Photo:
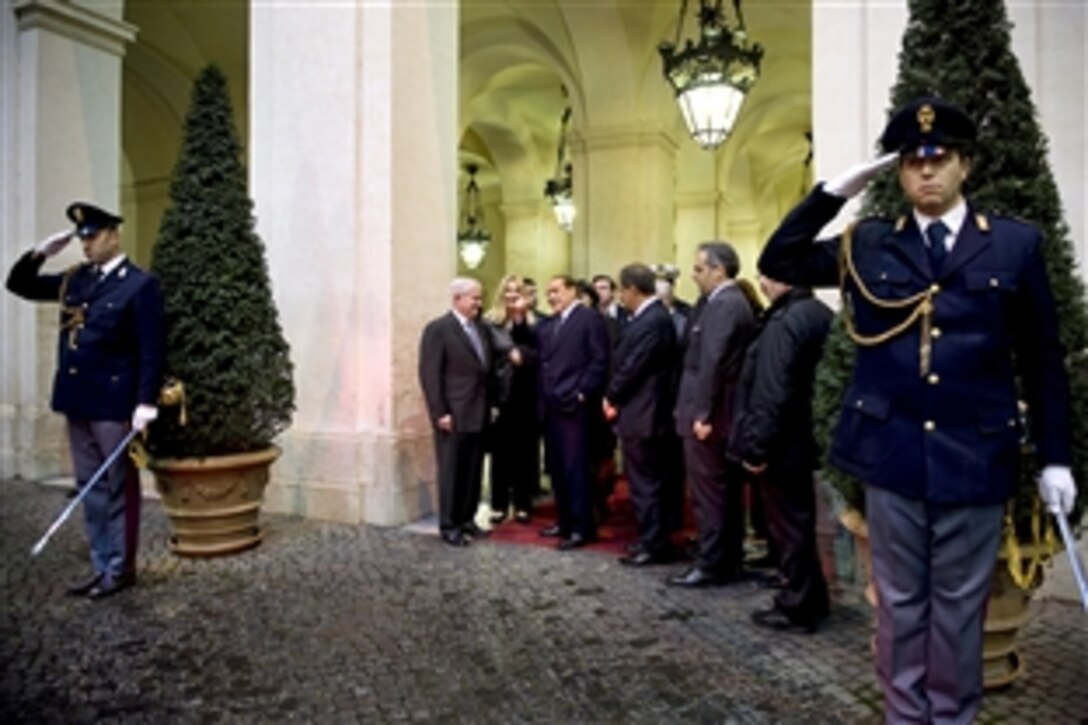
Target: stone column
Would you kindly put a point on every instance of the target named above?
(1050, 42)
(624, 184)
(353, 141)
(855, 60)
(60, 140)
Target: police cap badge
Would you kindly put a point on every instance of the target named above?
(90, 219)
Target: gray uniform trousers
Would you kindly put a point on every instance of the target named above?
(111, 510)
(932, 566)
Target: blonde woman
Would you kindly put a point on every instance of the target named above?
(515, 440)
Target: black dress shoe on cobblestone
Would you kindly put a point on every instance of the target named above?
(633, 548)
(645, 558)
(553, 531)
(475, 531)
(82, 588)
(774, 618)
(454, 538)
(696, 578)
(574, 541)
(110, 585)
(522, 517)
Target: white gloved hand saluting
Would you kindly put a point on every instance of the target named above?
(849, 183)
(143, 415)
(1057, 489)
(54, 243)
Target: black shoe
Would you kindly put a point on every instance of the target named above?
(574, 541)
(474, 531)
(82, 588)
(454, 538)
(110, 585)
(645, 558)
(522, 517)
(633, 548)
(778, 620)
(497, 517)
(696, 578)
(553, 531)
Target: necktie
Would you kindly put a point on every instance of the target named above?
(474, 338)
(935, 236)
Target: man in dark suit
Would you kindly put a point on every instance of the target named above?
(639, 402)
(717, 335)
(772, 436)
(574, 358)
(949, 308)
(457, 373)
(109, 370)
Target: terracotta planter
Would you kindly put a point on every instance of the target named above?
(214, 503)
(1006, 610)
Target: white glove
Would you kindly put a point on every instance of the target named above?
(1057, 489)
(143, 415)
(53, 244)
(854, 179)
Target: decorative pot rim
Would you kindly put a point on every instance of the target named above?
(212, 463)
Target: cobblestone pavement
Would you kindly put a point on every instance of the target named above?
(337, 623)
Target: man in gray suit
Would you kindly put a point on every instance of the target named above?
(718, 333)
(456, 372)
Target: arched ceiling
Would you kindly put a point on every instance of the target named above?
(515, 55)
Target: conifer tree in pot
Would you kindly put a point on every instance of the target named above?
(962, 52)
(224, 341)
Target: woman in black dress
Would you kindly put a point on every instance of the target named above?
(515, 435)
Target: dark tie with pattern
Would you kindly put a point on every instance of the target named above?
(935, 236)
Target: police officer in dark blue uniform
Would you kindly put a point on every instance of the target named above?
(109, 369)
(947, 305)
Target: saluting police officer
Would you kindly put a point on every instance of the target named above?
(109, 369)
(946, 305)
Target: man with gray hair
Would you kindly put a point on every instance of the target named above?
(457, 373)
(718, 333)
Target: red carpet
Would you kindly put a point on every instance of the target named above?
(613, 534)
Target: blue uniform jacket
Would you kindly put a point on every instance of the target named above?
(110, 347)
(950, 433)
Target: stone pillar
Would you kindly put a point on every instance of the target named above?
(855, 60)
(1050, 40)
(535, 245)
(624, 185)
(60, 140)
(353, 141)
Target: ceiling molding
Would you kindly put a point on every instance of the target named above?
(77, 23)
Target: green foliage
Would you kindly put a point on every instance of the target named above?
(223, 337)
(961, 51)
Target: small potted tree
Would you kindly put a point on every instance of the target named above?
(941, 55)
(224, 341)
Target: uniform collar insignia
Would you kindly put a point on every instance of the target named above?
(900, 224)
(982, 222)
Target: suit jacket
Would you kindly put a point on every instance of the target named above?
(574, 359)
(717, 336)
(773, 421)
(953, 434)
(111, 344)
(641, 384)
(454, 380)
